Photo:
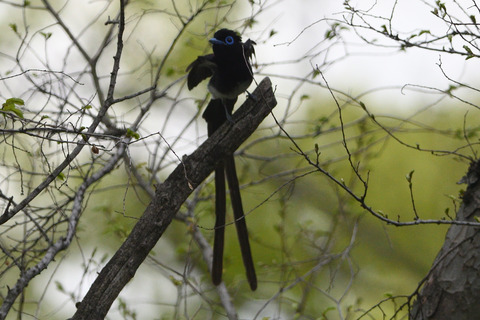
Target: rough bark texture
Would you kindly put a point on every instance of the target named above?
(452, 287)
(168, 198)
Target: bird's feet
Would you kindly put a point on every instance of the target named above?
(229, 117)
(252, 96)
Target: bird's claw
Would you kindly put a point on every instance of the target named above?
(229, 118)
(252, 96)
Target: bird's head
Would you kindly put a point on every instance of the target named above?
(226, 42)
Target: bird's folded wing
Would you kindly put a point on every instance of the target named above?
(200, 69)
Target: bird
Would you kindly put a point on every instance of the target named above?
(230, 73)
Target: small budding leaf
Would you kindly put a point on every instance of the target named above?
(13, 26)
(46, 35)
(132, 134)
(409, 176)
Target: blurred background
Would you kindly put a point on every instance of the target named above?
(381, 97)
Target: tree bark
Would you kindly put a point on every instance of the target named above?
(169, 196)
(451, 289)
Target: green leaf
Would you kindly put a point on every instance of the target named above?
(59, 286)
(46, 35)
(132, 134)
(10, 106)
(332, 32)
(450, 89)
(442, 6)
(18, 101)
(199, 103)
(176, 282)
(469, 52)
(384, 29)
(61, 176)
(13, 26)
(467, 48)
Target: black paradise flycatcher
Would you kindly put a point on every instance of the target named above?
(230, 75)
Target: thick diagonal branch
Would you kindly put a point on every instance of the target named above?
(169, 196)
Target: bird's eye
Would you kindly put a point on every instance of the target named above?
(229, 40)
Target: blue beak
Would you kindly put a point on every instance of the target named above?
(216, 41)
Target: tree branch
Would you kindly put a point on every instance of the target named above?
(169, 196)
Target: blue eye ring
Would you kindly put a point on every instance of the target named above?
(229, 40)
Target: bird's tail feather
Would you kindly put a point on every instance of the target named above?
(220, 208)
(240, 222)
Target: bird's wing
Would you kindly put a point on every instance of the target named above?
(200, 69)
(249, 49)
